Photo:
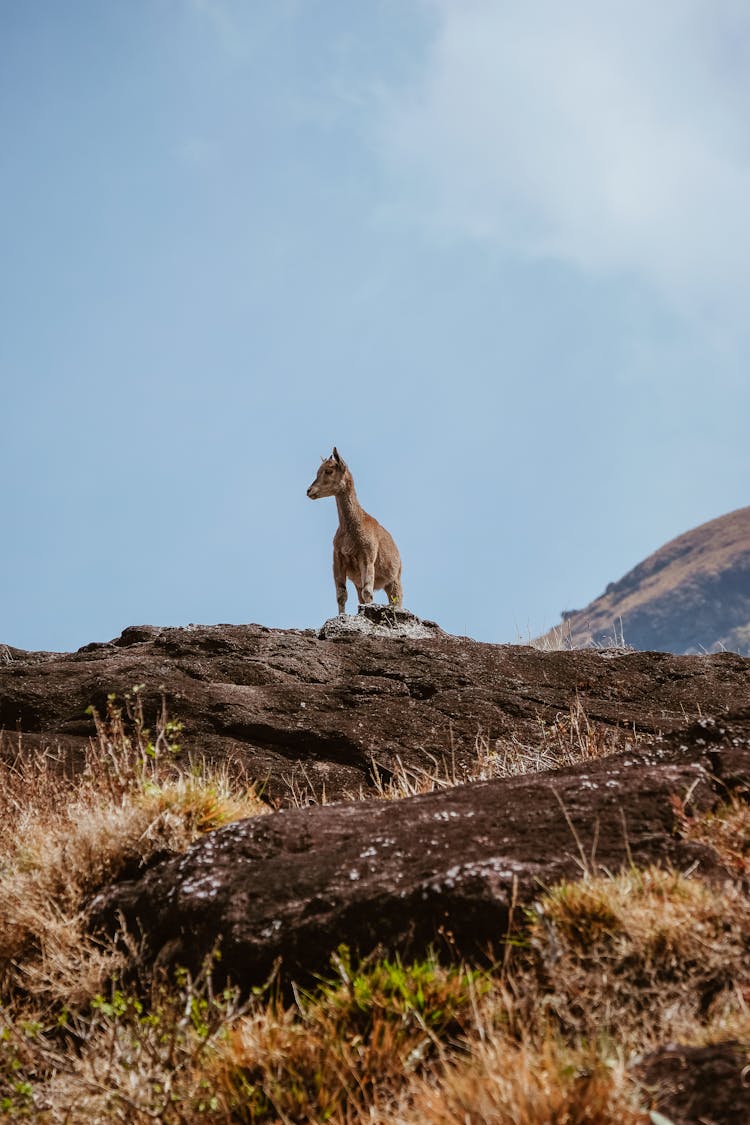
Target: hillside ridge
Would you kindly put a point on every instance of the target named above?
(692, 595)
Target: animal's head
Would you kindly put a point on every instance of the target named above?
(330, 480)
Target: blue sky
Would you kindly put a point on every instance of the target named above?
(497, 253)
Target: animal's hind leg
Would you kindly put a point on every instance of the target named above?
(395, 593)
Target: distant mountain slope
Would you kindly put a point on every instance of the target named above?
(690, 596)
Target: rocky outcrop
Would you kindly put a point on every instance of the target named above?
(696, 1085)
(690, 596)
(331, 714)
(334, 713)
(452, 868)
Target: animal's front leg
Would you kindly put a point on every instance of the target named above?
(368, 581)
(339, 578)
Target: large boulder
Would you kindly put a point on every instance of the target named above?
(698, 1085)
(452, 867)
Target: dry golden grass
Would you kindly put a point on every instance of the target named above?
(72, 835)
(612, 967)
(570, 739)
(607, 968)
(648, 954)
(615, 966)
(350, 1046)
(503, 1083)
(727, 831)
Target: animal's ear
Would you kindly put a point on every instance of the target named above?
(336, 457)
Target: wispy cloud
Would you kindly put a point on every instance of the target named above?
(613, 137)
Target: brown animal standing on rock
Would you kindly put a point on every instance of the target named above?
(363, 550)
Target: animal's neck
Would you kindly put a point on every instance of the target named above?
(350, 512)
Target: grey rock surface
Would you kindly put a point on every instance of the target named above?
(331, 716)
(452, 869)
